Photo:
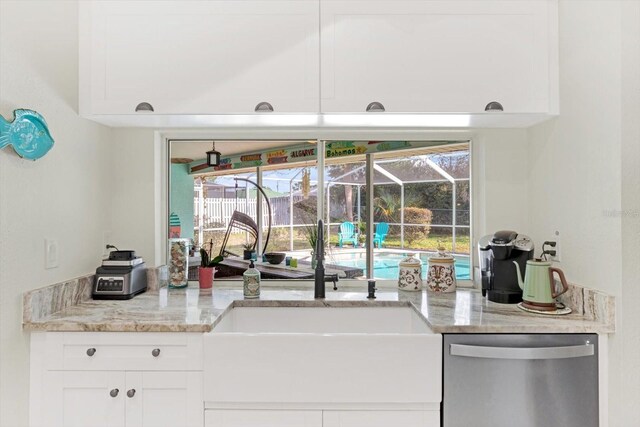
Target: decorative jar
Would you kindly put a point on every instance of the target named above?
(441, 274)
(178, 261)
(410, 274)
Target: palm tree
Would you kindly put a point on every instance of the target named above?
(386, 205)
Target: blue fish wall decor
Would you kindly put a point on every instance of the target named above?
(28, 134)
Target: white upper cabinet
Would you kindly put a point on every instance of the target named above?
(211, 63)
(199, 57)
(439, 56)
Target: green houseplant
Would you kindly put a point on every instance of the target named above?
(207, 269)
(311, 234)
(248, 250)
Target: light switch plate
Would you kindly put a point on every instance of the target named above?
(50, 253)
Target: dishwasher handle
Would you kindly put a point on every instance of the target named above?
(522, 353)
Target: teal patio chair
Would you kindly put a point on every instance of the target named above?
(347, 234)
(381, 233)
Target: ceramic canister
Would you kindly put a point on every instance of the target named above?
(441, 275)
(410, 274)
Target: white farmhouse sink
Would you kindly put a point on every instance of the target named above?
(374, 354)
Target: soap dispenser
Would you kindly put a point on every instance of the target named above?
(251, 282)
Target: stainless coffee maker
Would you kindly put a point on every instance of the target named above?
(497, 253)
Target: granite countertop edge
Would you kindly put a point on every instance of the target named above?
(437, 311)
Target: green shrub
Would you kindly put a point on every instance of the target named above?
(419, 216)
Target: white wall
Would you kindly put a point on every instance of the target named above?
(137, 193)
(625, 388)
(583, 171)
(574, 161)
(65, 195)
(500, 182)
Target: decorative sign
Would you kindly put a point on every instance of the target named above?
(251, 158)
(303, 153)
(391, 145)
(225, 164)
(344, 148)
(277, 157)
(28, 134)
(174, 225)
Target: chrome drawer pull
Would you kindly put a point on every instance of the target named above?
(375, 107)
(155, 352)
(114, 392)
(264, 107)
(131, 393)
(522, 353)
(91, 352)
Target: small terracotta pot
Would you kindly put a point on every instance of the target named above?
(205, 277)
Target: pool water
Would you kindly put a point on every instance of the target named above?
(385, 264)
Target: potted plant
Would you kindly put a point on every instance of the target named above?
(248, 250)
(362, 233)
(207, 269)
(311, 234)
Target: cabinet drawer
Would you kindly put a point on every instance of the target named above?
(262, 418)
(381, 418)
(124, 351)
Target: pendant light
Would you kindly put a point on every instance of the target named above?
(213, 156)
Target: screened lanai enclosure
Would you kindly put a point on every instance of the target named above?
(420, 201)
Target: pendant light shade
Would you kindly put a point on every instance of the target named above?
(213, 156)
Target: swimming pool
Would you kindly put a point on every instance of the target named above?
(385, 264)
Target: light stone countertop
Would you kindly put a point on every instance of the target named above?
(187, 310)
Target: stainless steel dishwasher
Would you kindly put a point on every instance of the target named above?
(520, 380)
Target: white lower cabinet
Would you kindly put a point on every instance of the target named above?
(164, 399)
(81, 399)
(123, 399)
(116, 380)
(283, 418)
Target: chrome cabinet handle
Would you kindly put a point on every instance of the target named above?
(522, 353)
(155, 352)
(144, 106)
(264, 107)
(494, 106)
(91, 351)
(375, 107)
(114, 392)
(131, 393)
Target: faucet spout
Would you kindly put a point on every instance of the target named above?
(319, 273)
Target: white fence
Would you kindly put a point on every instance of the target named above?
(215, 213)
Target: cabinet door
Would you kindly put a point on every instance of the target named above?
(262, 418)
(199, 57)
(81, 399)
(381, 418)
(437, 56)
(164, 399)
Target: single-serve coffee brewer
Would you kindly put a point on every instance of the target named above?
(498, 252)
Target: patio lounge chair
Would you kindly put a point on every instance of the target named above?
(347, 234)
(381, 233)
(240, 221)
